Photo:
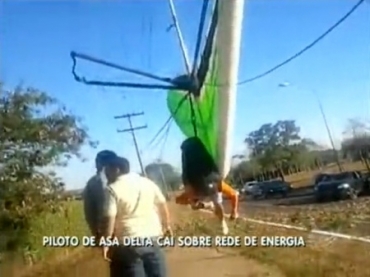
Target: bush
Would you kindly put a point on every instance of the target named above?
(35, 132)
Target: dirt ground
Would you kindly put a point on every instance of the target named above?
(319, 259)
(182, 262)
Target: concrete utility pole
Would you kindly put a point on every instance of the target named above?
(132, 131)
(323, 115)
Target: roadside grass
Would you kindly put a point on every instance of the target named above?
(303, 179)
(320, 258)
(68, 221)
(350, 217)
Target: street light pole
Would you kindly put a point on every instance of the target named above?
(314, 92)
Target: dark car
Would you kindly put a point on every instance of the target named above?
(340, 186)
(270, 189)
(248, 187)
(321, 177)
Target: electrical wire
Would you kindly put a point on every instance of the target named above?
(163, 134)
(164, 139)
(198, 43)
(296, 55)
(173, 85)
(308, 47)
(159, 132)
(167, 122)
(302, 51)
(160, 158)
(183, 48)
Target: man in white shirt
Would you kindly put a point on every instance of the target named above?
(134, 207)
(93, 194)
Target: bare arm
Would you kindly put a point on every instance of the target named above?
(165, 215)
(161, 203)
(109, 213)
(89, 210)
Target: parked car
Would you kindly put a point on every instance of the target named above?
(322, 177)
(248, 187)
(270, 189)
(339, 186)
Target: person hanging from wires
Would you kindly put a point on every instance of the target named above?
(202, 180)
(188, 198)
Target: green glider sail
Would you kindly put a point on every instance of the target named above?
(206, 111)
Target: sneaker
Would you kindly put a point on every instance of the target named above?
(209, 206)
(234, 216)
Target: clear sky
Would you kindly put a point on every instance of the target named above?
(36, 38)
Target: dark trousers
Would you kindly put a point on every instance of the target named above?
(138, 262)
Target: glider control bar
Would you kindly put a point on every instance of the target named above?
(174, 83)
(190, 83)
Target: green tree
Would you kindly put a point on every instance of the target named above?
(356, 145)
(279, 147)
(164, 175)
(36, 131)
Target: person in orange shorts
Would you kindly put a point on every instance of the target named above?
(202, 180)
(188, 197)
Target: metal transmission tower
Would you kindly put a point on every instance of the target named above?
(132, 131)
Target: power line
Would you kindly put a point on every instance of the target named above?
(167, 123)
(163, 139)
(309, 46)
(293, 57)
(185, 86)
(159, 132)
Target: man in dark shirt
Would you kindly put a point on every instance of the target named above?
(93, 194)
